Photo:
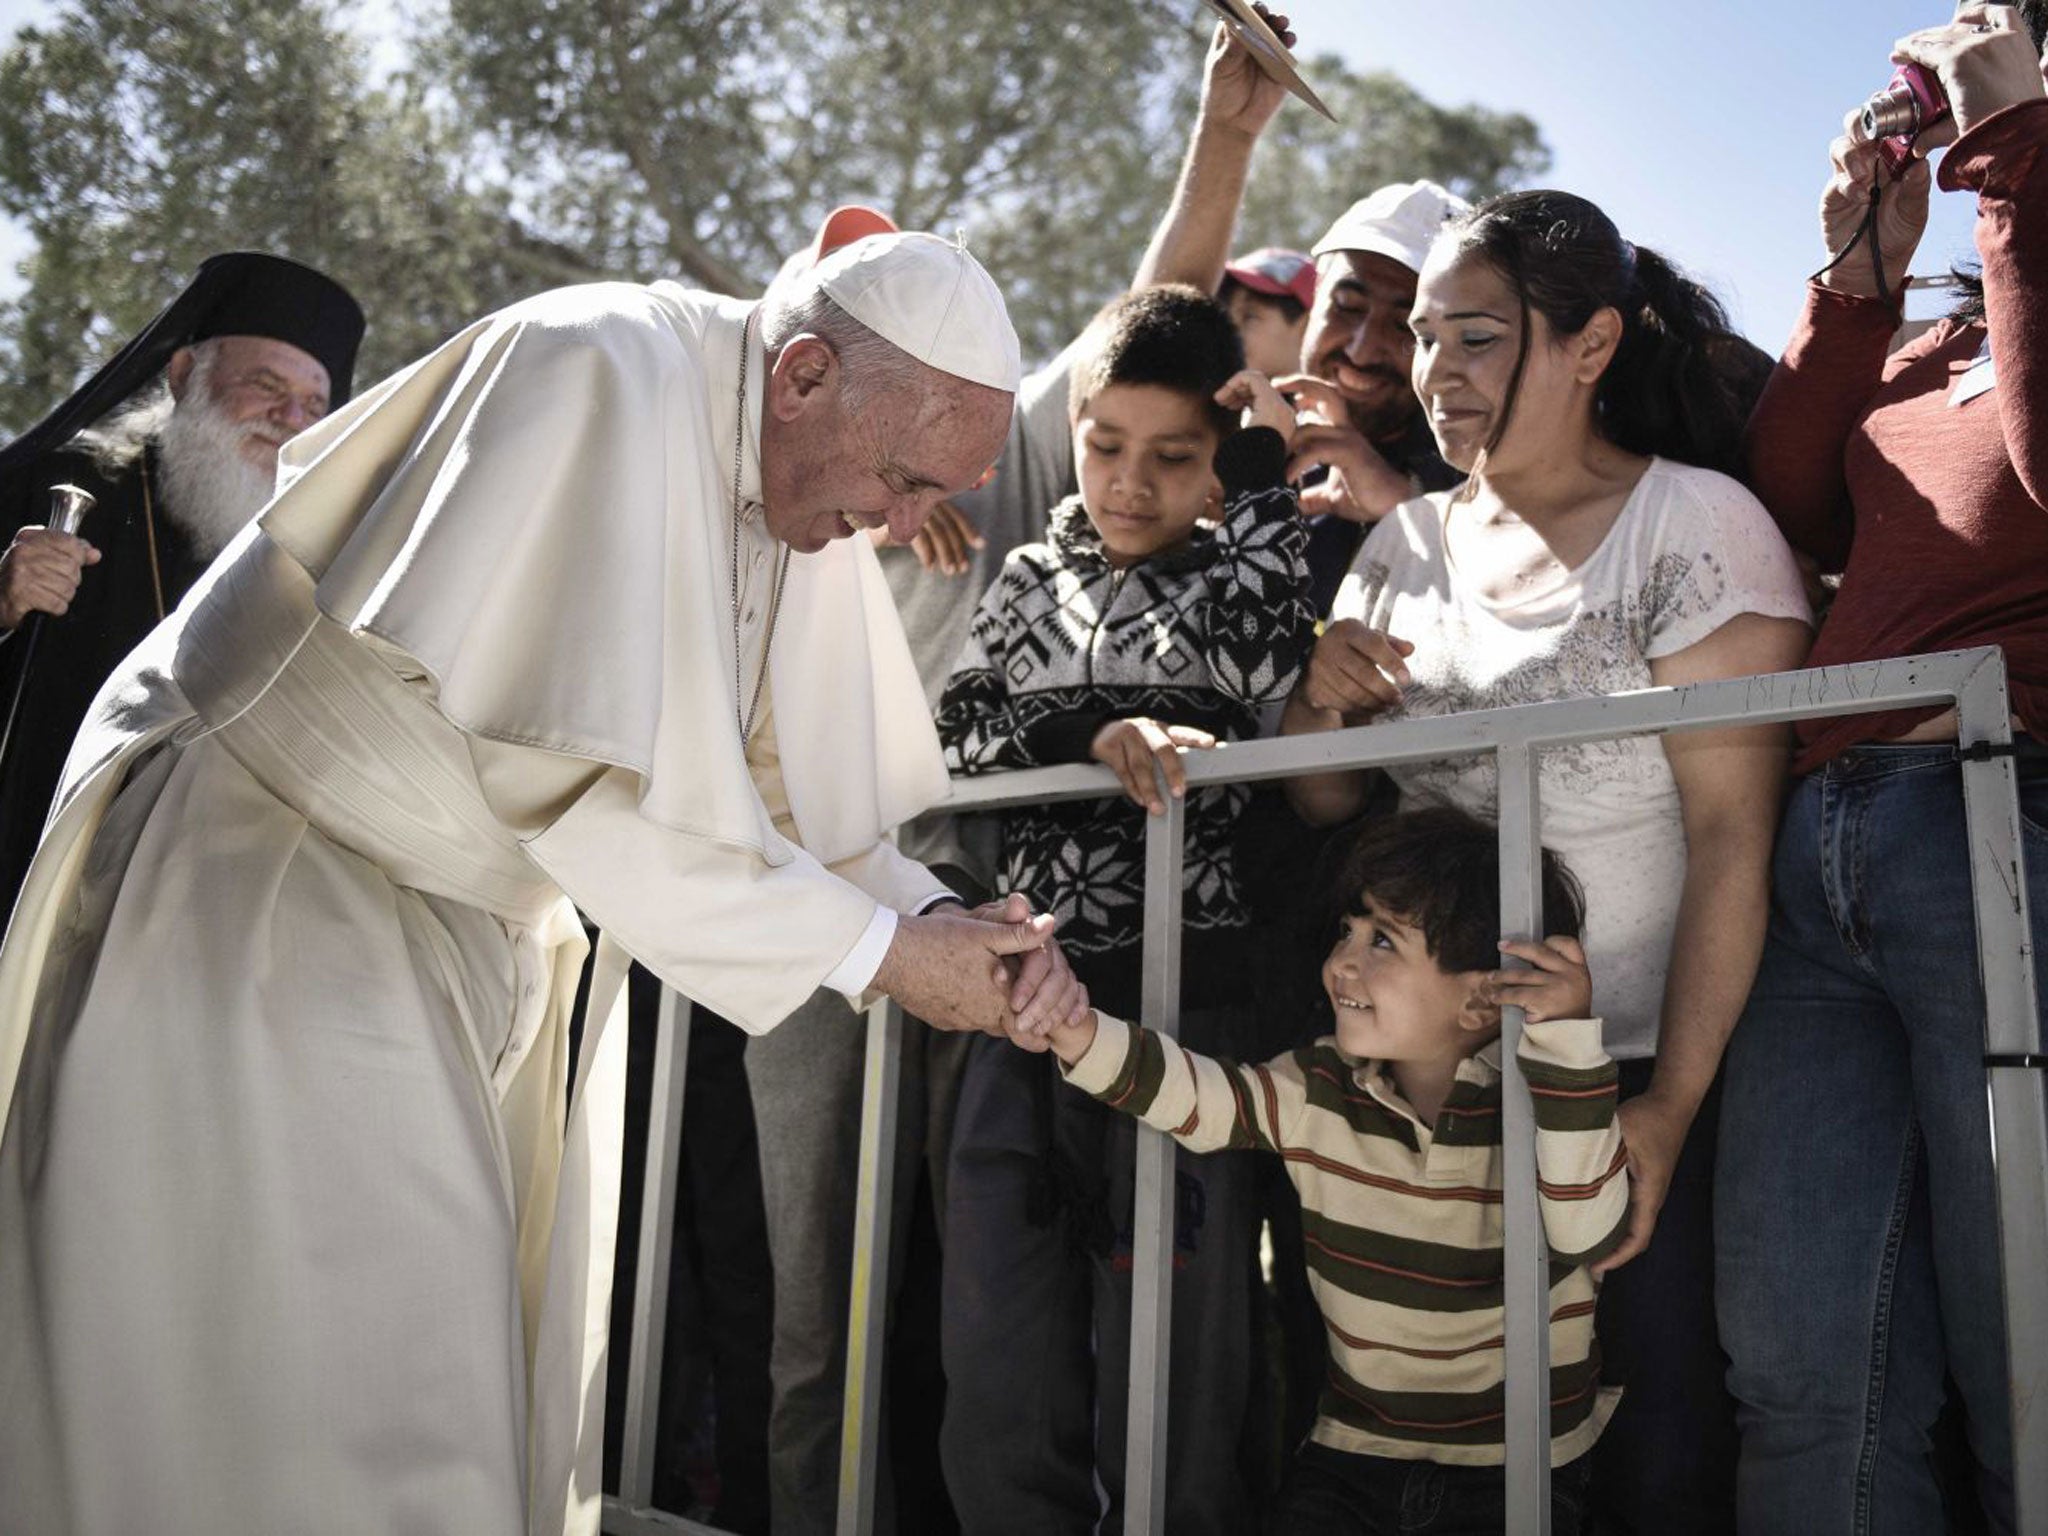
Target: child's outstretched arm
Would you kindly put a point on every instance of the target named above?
(1581, 1165)
(1205, 1104)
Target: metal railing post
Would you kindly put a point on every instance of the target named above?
(2015, 1076)
(1525, 1259)
(867, 1322)
(1153, 1206)
(657, 1234)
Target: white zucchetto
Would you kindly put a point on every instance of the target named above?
(930, 298)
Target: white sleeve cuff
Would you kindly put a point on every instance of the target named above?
(856, 973)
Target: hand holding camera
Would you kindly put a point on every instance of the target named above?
(1949, 79)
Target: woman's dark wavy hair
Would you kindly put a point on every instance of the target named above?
(1565, 260)
(1968, 281)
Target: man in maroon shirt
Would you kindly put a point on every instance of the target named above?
(1856, 1231)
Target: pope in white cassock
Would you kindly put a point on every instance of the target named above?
(294, 1234)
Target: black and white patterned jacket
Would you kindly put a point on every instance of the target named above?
(1204, 635)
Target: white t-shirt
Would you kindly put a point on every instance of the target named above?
(1690, 550)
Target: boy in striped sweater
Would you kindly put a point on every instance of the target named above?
(1391, 1130)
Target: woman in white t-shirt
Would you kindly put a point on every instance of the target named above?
(1596, 548)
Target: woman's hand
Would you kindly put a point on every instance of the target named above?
(1355, 670)
(1985, 61)
(1134, 747)
(1653, 1132)
(1253, 394)
(1845, 204)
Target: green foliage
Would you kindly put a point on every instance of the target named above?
(137, 140)
(527, 143)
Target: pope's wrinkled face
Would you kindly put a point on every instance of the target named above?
(269, 389)
(831, 467)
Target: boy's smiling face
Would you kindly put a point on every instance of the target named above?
(1143, 454)
(1391, 999)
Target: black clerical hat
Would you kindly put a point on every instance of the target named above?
(242, 293)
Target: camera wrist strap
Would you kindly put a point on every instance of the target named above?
(1866, 234)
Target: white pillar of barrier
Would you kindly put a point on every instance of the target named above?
(868, 1309)
(2015, 1073)
(1525, 1270)
(1153, 1204)
(657, 1230)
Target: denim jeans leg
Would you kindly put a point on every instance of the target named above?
(1817, 1281)
(1923, 946)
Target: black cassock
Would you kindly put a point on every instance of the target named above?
(146, 565)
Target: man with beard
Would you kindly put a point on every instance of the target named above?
(1364, 444)
(258, 348)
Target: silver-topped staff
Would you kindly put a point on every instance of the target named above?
(68, 506)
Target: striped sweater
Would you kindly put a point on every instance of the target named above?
(1402, 1221)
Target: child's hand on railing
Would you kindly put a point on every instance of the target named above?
(1135, 747)
(1557, 984)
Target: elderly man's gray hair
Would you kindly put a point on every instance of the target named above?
(872, 365)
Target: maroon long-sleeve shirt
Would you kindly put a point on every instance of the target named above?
(1935, 513)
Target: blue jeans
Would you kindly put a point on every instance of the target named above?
(1855, 1214)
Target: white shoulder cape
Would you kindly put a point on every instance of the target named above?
(538, 513)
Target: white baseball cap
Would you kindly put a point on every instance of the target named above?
(1398, 221)
(932, 299)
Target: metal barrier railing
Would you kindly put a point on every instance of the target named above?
(1973, 681)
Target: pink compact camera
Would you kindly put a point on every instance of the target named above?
(1897, 115)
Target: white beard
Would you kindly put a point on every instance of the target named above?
(210, 490)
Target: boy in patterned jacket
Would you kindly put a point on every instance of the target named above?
(1168, 605)
(1391, 1129)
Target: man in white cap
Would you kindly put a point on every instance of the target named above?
(294, 1231)
(1365, 431)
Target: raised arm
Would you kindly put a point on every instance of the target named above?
(1192, 241)
(1258, 622)
(2006, 162)
(1836, 357)
(1581, 1167)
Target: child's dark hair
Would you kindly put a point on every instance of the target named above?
(1565, 260)
(1438, 868)
(1173, 336)
(1291, 309)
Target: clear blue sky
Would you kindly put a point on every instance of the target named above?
(1701, 128)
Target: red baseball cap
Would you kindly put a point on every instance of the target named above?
(1273, 270)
